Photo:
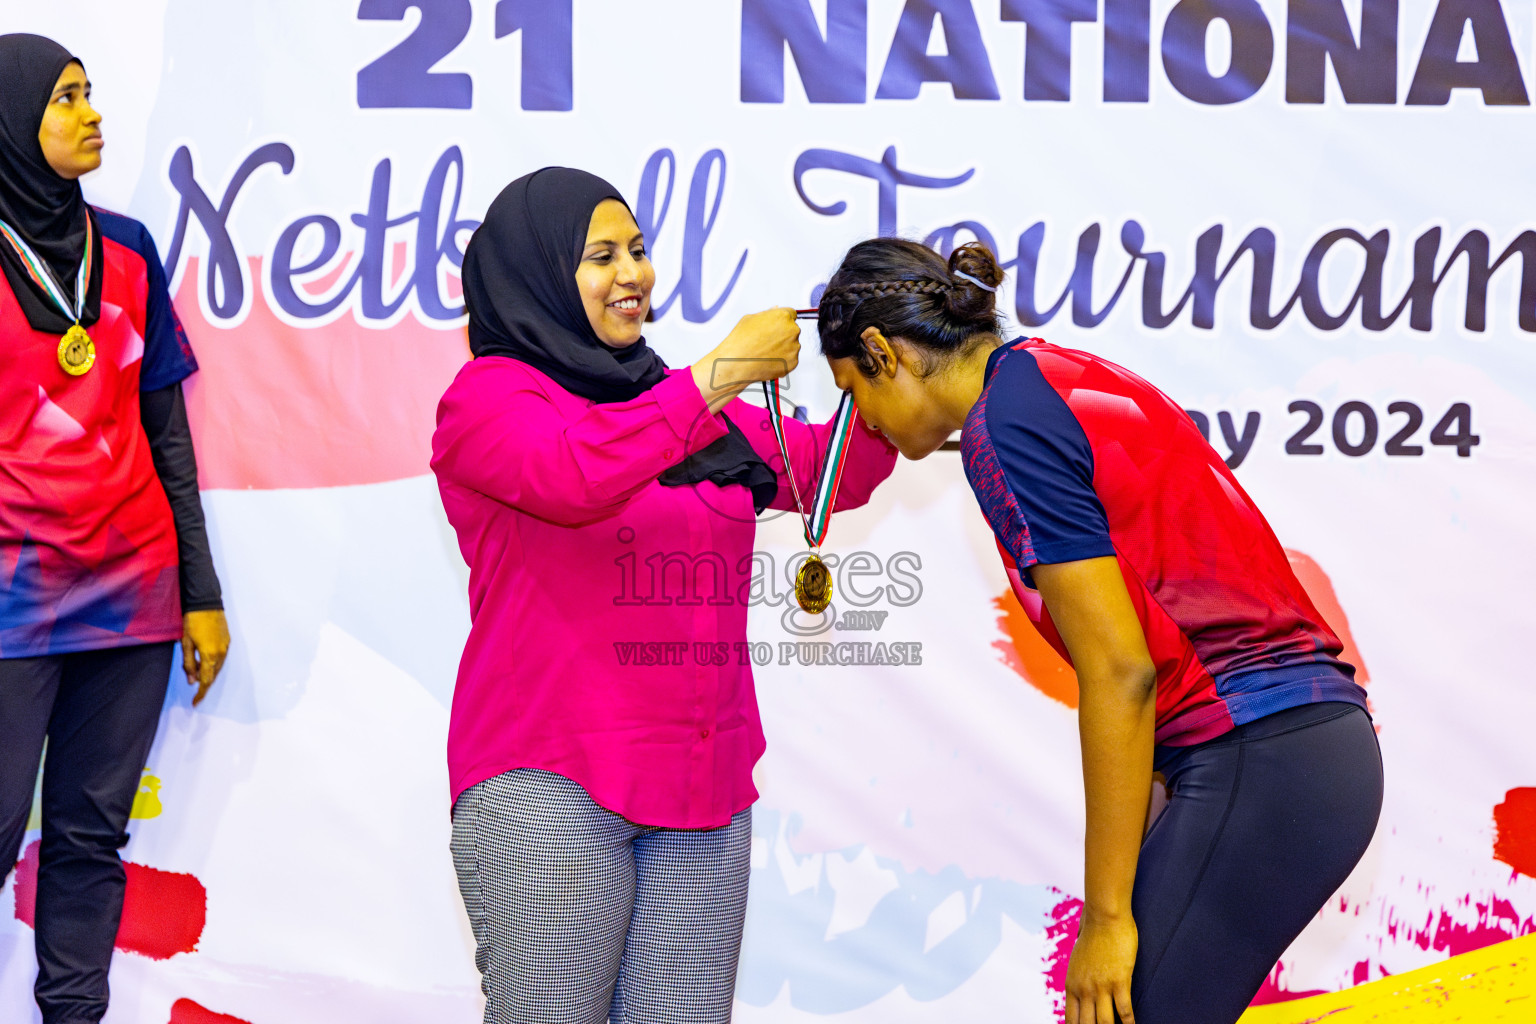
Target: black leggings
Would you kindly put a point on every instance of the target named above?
(1263, 826)
(98, 711)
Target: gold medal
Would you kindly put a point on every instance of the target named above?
(813, 586)
(77, 352)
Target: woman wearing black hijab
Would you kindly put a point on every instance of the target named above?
(604, 724)
(104, 560)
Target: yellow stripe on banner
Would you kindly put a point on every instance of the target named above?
(1493, 984)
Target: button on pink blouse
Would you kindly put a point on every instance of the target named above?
(577, 553)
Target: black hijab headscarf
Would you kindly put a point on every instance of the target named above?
(47, 211)
(520, 291)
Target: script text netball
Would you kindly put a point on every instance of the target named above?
(1379, 293)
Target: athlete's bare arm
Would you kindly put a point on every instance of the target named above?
(1093, 613)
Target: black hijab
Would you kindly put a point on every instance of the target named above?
(520, 291)
(49, 212)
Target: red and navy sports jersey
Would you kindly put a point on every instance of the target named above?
(88, 555)
(1073, 457)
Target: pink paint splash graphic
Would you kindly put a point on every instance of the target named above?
(1464, 926)
(185, 1011)
(1274, 991)
(163, 912)
(1061, 933)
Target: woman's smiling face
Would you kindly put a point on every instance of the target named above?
(615, 277)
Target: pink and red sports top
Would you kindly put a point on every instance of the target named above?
(88, 555)
(1072, 457)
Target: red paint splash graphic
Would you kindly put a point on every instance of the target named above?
(1061, 933)
(1514, 822)
(163, 912)
(185, 1011)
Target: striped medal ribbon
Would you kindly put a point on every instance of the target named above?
(77, 353)
(813, 583)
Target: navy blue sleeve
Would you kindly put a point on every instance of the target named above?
(1046, 462)
(168, 356)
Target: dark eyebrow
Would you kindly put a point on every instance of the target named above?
(639, 237)
(71, 87)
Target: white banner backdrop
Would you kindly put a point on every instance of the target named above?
(1304, 220)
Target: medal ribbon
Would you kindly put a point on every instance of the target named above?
(831, 468)
(43, 277)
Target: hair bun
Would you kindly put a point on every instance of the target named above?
(907, 291)
(965, 300)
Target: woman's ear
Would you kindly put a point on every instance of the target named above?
(879, 352)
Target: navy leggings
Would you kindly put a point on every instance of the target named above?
(1263, 825)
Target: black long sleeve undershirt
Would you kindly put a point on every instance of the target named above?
(164, 415)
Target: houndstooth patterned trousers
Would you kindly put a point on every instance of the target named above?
(580, 915)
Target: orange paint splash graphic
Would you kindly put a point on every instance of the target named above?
(1024, 650)
(1320, 589)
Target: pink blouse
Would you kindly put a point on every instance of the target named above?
(600, 600)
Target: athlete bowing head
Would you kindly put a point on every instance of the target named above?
(1142, 561)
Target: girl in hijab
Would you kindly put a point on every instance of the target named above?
(104, 560)
(604, 724)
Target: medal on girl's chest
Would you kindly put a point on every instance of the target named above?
(77, 353)
(813, 583)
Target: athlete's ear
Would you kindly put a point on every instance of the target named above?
(879, 352)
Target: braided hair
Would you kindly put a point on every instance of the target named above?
(908, 291)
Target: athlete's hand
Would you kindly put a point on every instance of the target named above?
(204, 643)
(1099, 973)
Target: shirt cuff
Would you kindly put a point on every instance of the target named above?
(1072, 549)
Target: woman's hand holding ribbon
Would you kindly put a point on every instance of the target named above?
(762, 346)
